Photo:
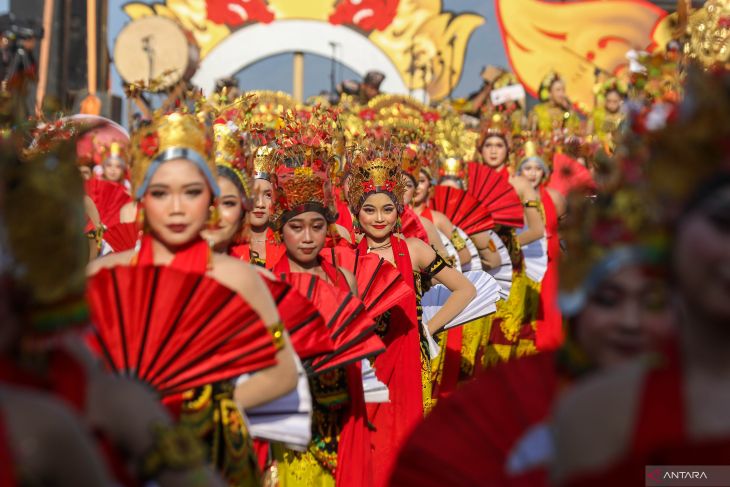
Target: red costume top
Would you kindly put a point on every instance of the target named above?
(274, 251)
(549, 326)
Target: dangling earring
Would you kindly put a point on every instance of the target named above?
(140, 228)
(356, 225)
(397, 227)
(215, 216)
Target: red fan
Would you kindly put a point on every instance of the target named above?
(309, 335)
(462, 209)
(411, 226)
(379, 284)
(122, 236)
(350, 326)
(481, 440)
(174, 330)
(496, 193)
(570, 175)
(108, 198)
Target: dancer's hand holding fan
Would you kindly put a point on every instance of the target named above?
(148, 326)
(306, 326)
(351, 328)
(379, 284)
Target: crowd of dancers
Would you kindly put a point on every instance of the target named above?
(250, 291)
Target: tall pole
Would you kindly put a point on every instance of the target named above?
(91, 104)
(298, 78)
(48, 6)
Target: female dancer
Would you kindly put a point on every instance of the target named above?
(261, 247)
(134, 432)
(114, 167)
(174, 186)
(672, 409)
(554, 114)
(549, 324)
(304, 216)
(376, 192)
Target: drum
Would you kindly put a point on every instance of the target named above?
(156, 48)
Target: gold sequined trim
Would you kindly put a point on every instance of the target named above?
(457, 240)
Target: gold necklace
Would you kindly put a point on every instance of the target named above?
(385, 246)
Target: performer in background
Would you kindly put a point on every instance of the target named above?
(549, 323)
(672, 408)
(376, 200)
(554, 113)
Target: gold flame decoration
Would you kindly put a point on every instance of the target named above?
(421, 39)
(575, 38)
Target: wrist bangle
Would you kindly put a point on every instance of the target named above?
(531, 204)
(277, 335)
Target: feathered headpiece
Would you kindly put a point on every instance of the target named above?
(177, 135)
(375, 170)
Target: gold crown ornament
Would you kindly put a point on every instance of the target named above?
(411, 162)
(305, 160)
(43, 248)
(375, 169)
(452, 167)
(495, 125)
(708, 34)
(177, 135)
(229, 154)
(531, 149)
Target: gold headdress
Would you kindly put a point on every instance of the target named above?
(177, 135)
(375, 170)
(305, 161)
(546, 83)
(691, 146)
(452, 167)
(496, 125)
(708, 33)
(228, 150)
(529, 148)
(42, 243)
(411, 162)
(270, 107)
(668, 153)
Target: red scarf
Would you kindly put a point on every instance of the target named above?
(549, 325)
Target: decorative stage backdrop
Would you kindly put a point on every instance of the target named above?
(432, 46)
